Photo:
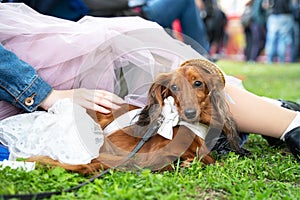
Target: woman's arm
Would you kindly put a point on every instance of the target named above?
(19, 83)
(21, 86)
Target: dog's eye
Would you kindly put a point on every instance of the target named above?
(174, 88)
(197, 84)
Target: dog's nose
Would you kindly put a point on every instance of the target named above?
(190, 113)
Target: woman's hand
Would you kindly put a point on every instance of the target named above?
(98, 100)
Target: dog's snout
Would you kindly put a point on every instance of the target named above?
(190, 113)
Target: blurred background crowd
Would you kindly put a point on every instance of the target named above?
(249, 30)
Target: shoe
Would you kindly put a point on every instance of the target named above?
(292, 140)
(290, 105)
(275, 142)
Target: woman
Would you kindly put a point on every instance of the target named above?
(258, 30)
(96, 52)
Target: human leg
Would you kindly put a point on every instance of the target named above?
(248, 38)
(253, 114)
(271, 38)
(258, 40)
(164, 12)
(193, 25)
(296, 41)
(285, 36)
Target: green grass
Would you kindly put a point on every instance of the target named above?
(275, 81)
(266, 174)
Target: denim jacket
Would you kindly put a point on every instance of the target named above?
(19, 83)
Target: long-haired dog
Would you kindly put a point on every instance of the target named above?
(197, 89)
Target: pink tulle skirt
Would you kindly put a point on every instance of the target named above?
(91, 53)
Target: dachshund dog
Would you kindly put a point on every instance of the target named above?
(197, 89)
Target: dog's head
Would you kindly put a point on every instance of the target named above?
(197, 87)
(192, 85)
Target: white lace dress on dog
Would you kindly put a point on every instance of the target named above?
(65, 133)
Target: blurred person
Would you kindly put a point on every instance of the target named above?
(280, 23)
(296, 32)
(246, 21)
(257, 29)
(215, 22)
(165, 12)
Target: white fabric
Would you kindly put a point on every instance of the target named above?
(295, 123)
(198, 128)
(171, 118)
(65, 133)
(122, 121)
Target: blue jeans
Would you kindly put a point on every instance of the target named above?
(164, 12)
(19, 82)
(279, 37)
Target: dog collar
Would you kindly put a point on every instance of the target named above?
(199, 129)
(171, 119)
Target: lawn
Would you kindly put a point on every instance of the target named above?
(265, 174)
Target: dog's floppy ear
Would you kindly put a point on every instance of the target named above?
(159, 89)
(156, 95)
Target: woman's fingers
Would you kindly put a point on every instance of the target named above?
(107, 99)
(98, 100)
(90, 105)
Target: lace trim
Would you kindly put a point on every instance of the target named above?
(65, 133)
